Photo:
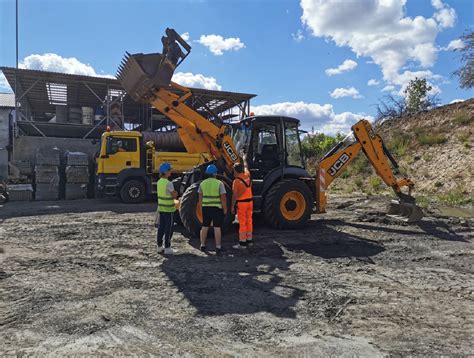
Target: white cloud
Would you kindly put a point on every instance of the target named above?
(345, 92)
(189, 79)
(298, 37)
(454, 45)
(445, 16)
(217, 44)
(4, 83)
(373, 82)
(388, 88)
(379, 29)
(185, 36)
(457, 100)
(347, 65)
(312, 115)
(55, 63)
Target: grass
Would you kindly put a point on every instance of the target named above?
(464, 136)
(398, 145)
(456, 196)
(427, 157)
(422, 201)
(375, 183)
(463, 118)
(432, 139)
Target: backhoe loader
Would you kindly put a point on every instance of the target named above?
(283, 190)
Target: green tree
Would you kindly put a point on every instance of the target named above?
(466, 72)
(417, 95)
(315, 145)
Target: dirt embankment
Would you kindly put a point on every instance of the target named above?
(84, 278)
(433, 148)
(436, 147)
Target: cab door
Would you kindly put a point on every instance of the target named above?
(121, 153)
(265, 149)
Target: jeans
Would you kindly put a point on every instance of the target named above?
(165, 229)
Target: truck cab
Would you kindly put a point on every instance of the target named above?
(128, 168)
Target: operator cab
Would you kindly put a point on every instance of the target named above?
(270, 142)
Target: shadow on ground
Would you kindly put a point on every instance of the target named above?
(250, 281)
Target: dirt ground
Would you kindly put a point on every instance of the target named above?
(83, 277)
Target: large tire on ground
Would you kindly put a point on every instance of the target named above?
(133, 192)
(288, 204)
(188, 211)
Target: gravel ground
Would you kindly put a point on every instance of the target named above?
(83, 277)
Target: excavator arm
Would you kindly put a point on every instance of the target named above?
(371, 144)
(147, 79)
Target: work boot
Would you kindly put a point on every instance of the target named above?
(169, 251)
(203, 248)
(240, 246)
(219, 250)
(161, 249)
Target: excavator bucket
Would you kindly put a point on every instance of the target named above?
(405, 211)
(141, 73)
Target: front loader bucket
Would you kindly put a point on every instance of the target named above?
(140, 73)
(408, 212)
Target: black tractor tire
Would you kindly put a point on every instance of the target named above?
(187, 211)
(133, 192)
(298, 204)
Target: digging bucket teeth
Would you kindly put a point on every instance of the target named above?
(140, 73)
(405, 211)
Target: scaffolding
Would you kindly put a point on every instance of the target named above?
(40, 94)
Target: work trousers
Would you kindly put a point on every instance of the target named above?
(165, 229)
(244, 213)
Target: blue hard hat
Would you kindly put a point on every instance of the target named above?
(211, 169)
(165, 167)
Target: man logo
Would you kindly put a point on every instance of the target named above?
(229, 151)
(338, 164)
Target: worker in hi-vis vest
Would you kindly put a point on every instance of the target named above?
(213, 203)
(166, 209)
(242, 201)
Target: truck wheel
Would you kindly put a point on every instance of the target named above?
(191, 218)
(133, 192)
(288, 204)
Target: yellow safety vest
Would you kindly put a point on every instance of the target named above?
(210, 192)
(165, 200)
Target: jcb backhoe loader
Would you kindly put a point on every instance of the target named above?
(283, 190)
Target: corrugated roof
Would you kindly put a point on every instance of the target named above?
(7, 100)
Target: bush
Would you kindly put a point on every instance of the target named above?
(398, 145)
(375, 183)
(431, 139)
(463, 118)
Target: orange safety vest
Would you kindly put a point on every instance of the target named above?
(246, 194)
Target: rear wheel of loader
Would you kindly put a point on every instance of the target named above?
(190, 214)
(133, 192)
(288, 204)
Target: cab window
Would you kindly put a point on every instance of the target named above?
(293, 147)
(118, 145)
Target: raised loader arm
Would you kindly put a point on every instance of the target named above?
(147, 79)
(365, 139)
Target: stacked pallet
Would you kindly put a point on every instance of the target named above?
(20, 192)
(47, 174)
(77, 175)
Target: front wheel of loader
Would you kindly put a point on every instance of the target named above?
(190, 214)
(288, 204)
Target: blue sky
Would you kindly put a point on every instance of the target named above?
(280, 50)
